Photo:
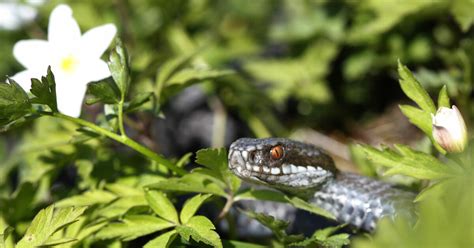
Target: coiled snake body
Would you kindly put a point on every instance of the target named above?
(308, 172)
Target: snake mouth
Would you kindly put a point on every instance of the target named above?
(286, 174)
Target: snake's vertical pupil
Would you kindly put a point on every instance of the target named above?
(276, 152)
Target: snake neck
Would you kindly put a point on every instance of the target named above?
(362, 201)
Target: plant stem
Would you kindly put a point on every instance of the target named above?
(120, 118)
(228, 204)
(121, 139)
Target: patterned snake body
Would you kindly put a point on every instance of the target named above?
(308, 172)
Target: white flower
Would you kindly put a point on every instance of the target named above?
(74, 59)
(449, 129)
(14, 14)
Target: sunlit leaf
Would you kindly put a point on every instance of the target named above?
(191, 206)
(407, 161)
(200, 229)
(14, 102)
(443, 98)
(104, 91)
(119, 68)
(414, 90)
(46, 223)
(133, 226)
(162, 205)
(162, 241)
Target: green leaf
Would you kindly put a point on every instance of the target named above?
(105, 91)
(190, 75)
(301, 204)
(137, 101)
(422, 120)
(324, 238)
(133, 226)
(443, 219)
(161, 205)
(418, 117)
(191, 206)
(4, 234)
(45, 90)
(239, 244)
(88, 198)
(14, 102)
(461, 10)
(443, 98)
(303, 77)
(121, 206)
(162, 241)
(359, 158)
(277, 226)
(216, 161)
(200, 229)
(47, 222)
(118, 65)
(414, 90)
(60, 241)
(194, 182)
(167, 70)
(409, 162)
(261, 194)
(272, 195)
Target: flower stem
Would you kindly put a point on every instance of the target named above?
(121, 139)
(120, 119)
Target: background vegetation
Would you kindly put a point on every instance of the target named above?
(203, 73)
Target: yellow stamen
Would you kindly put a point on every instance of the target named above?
(69, 63)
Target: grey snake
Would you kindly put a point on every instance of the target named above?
(308, 172)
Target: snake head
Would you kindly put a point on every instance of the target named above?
(282, 163)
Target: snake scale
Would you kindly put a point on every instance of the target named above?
(308, 172)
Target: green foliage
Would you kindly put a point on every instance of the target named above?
(325, 238)
(320, 238)
(174, 76)
(386, 15)
(44, 90)
(162, 206)
(134, 226)
(409, 162)
(420, 117)
(443, 217)
(275, 66)
(459, 8)
(14, 102)
(191, 206)
(47, 223)
(414, 90)
(278, 228)
(119, 68)
(215, 161)
(302, 77)
(104, 91)
(443, 98)
(200, 229)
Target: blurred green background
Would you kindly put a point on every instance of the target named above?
(329, 66)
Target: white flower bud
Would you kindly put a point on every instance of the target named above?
(449, 129)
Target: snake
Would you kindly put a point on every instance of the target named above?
(308, 172)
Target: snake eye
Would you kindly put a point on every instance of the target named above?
(276, 152)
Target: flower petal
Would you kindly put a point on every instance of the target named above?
(63, 30)
(70, 95)
(94, 70)
(14, 15)
(95, 41)
(33, 54)
(23, 78)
